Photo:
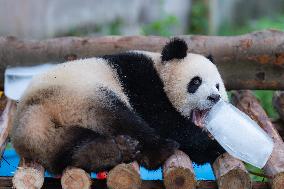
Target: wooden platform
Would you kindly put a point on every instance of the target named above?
(52, 183)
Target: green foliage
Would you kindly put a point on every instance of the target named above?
(9, 145)
(265, 97)
(198, 18)
(260, 24)
(254, 170)
(80, 31)
(113, 28)
(160, 27)
(264, 23)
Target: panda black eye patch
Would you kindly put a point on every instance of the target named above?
(217, 86)
(194, 84)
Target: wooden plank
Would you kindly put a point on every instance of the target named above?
(53, 183)
(251, 61)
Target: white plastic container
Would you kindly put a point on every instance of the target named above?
(238, 134)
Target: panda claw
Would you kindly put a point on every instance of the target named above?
(129, 147)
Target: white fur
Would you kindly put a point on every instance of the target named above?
(82, 76)
(176, 74)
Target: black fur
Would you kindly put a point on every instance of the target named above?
(75, 137)
(43, 95)
(194, 84)
(175, 49)
(218, 86)
(144, 88)
(210, 57)
(129, 138)
(93, 152)
(154, 150)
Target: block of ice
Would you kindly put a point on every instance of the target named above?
(17, 79)
(238, 134)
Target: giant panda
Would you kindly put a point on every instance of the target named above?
(98, 112)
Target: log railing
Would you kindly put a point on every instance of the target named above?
(251, 61)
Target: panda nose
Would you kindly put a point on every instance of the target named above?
(214, 98)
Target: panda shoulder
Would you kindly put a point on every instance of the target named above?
(63, 72)
(156, 57)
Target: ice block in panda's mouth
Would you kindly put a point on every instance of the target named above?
(238, 134)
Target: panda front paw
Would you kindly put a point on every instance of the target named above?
(129, 147)
(152, 157)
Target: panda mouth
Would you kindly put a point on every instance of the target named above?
(198, 117)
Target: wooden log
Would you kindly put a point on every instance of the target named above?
(54, 183)
(178, 172)
(247, 102)
(75, 178)
(124, 176)
(251, 61)
(231, 173)
(278, 103)
(279, 126)
(209, 184)
(3, 102)
(29, 175)
(152, 184)
(6, 123)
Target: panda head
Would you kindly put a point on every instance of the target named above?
(191, 81)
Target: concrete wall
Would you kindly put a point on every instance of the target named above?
(48, 18)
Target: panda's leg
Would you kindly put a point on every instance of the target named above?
(93, 152)
(38, 137)
(155, 150)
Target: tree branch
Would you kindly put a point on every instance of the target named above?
(251, 61)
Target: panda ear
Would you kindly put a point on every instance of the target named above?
(176, 48)
(210, 57)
